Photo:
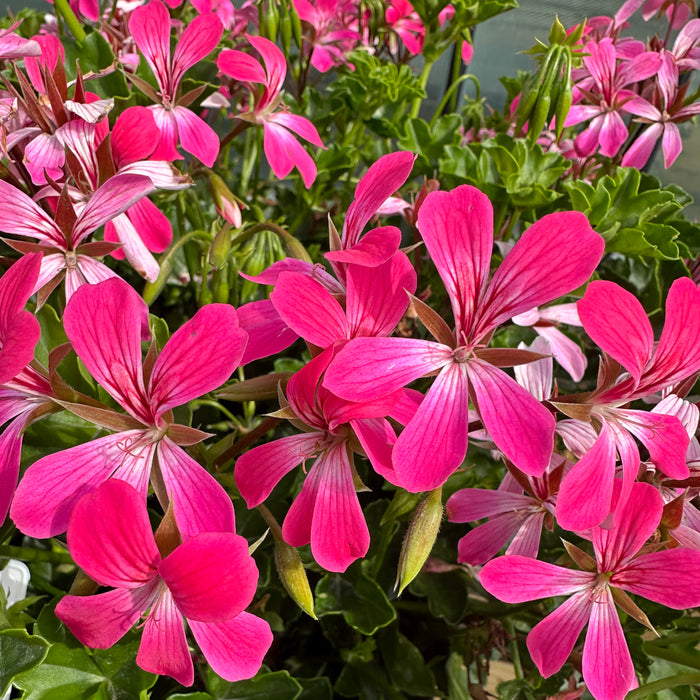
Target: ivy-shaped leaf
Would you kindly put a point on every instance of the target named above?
(356, 597)
(19, 652)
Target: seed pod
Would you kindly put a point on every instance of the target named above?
(563, 105)
(420, 538)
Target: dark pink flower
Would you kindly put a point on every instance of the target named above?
(208, 580)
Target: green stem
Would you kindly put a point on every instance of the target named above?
(664, 684)
(514, 650)
(9, 551)
(246, 441)
(452, 90)
(423, 80)
(64, 11)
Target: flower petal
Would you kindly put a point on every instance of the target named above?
(235, 648)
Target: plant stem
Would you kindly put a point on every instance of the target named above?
(245, 441)
(63, 9)
(423, 80)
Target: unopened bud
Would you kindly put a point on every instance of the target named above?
(227, 204)
(420, 538)
(293, 576)
(256, 388)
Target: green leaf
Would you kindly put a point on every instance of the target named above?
(95, 55)
(515, 690)
(19, 652)
(457, 678)
(405, 664)
(356, 597)
(315, 688)
(265, 686)
(365, 680)
(72, 672)
(446, 593)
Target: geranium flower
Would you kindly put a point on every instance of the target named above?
(208, 580)
(282, 150)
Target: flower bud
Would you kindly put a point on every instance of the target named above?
(227, 204)
(420, 538)
(293, 576)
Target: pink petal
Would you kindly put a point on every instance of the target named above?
(134, 136)
(640, 151)
(377, 298)
(163, 648)
(377, 438)
(677, 354)
(199, 357)
(259, 470)
(616, 321)
(668, 577)
(551, 641)
(585, 494)
(114, 197)
(268, 334)
(274, 60)
(87, 271)
(521, 427)
(467, 505)
(53, 485)
(199, 39)
(457, 228)
(235, 648)
(665, 438)
(167, 126)
(635, 522)
(380, 181)
(566, 352)
(44, 155)
(284, 152)
(671, 144)
(100, 621)
(152, 225)
(607, 665)
(434, 443)
(241, 66)
(196, 136)
(536, 376)
(299, 125)
(104, 323)
(149, 25)
(527, 539)
(553, 257)
(367, 368)
(613, 133)
(110, 537)
(374, 248)
(211, 576)
(10, 453)
(516, 579)
(200, 503)
(484, 541)
(309, 309)
(21, 216)
(121, 229)
(337, 529)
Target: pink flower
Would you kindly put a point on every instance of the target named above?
(208, 580)
(150, 27)
(327, 512)
(605, 84)
(403, 20)
(282, 149)
(554, 256)
(668, 577)
(104, 324)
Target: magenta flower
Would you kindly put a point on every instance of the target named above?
(404, 21)
(606, 84)
(150, 27)
(332, 38)
(104, 324)
(668, 577)
(554, 256)
(327, 512)
(282, 150)
(208, 580)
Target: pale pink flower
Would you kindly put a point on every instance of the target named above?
(104, 323)
(208, 580)
(282, 149)
(668, 577)
(150, 27)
